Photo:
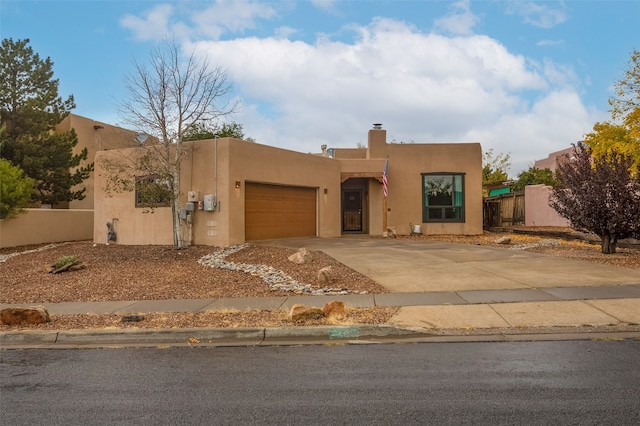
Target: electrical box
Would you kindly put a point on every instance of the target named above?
(183, 214)
(210, 203)
(192, 196)
(191, 207)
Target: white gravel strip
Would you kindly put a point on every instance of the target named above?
(4, 257)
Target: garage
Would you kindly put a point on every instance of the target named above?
(273, 211)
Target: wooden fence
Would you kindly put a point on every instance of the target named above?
(503, 210)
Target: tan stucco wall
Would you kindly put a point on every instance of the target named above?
(236, 161)
(136, 226)
(38, 226)
(214, 167)
(104, 137)
(341, 153)
(408, 161)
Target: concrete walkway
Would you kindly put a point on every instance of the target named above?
(443, 286)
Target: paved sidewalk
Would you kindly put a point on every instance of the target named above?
(560, 306)
(437, 286)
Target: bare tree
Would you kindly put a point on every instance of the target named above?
(599, 195)
(166, 100)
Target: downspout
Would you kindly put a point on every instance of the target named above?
(215, 172)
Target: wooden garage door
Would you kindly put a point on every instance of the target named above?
(273, 211)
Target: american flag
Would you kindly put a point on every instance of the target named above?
(385, 175)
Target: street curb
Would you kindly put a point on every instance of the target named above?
(158, 336)
(337, 333)
(31, 337)
(236, 336)
(275, 336)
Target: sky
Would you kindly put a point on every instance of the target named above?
(524, 78)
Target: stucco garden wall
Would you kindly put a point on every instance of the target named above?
(39, 226)
(537, 211)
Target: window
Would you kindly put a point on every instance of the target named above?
(443, 197)
(152, 191)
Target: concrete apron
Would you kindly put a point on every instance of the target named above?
(423, 266)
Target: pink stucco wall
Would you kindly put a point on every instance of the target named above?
(537, 211)
(551, 162)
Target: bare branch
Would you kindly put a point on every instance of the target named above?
(166, 99)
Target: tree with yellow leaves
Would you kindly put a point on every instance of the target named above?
(622, 135)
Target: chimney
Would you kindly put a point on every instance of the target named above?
(324, 150)
(377, 142)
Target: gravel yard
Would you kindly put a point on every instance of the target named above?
(117, 272)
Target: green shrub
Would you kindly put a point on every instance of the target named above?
(65, 260)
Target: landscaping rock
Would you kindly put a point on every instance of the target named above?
(325, 276)
(32, 315)
(301, 313)
(503, 240)
(301, 256)
(274, 278)
(334, 310)
(66, 268)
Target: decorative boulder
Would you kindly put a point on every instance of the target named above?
(301, 256)
(503, 240)
(334, 310)
(301, 313)
(325, 276)
(33, 315)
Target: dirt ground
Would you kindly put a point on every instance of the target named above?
(117, 273)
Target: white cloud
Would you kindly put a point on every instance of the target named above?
(232, 16)
(284, 32)
(554, 122)
(154, 25)
(422, 87)
(539, 15)
(550, 43)
(459, 21)
(325, 5)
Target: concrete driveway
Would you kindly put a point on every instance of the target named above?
(423, 266)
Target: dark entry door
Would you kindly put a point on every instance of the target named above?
(352, 210)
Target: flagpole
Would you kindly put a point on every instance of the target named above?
(385, 232)
(384, 217)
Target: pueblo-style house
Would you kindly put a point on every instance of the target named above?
(234, 191)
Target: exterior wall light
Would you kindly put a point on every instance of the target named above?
(237, 184)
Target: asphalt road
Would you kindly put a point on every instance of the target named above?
(568, 382)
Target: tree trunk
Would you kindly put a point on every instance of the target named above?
(609, 243)
(177, 226)
(178, 239)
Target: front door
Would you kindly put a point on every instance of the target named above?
(352, 210)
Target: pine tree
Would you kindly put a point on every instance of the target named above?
(30, 108)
